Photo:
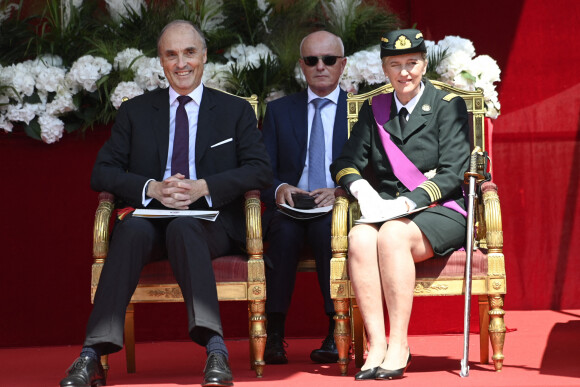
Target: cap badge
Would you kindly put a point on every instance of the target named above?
(426, 108)
(402, 43)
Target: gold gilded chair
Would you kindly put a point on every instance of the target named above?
(437, 276)
(238, 277)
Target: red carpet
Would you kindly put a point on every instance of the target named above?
(541, 349)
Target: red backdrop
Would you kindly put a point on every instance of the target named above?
(47, 207)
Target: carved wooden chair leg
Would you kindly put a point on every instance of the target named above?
(105, 364)
(483, 330)
(130, 338)
(342, 336)
(497, 329)
(257, 335)
(358, 333)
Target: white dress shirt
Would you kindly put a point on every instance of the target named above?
(192, 110)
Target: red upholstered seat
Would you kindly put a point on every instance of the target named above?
(230, 268)
(452, 266)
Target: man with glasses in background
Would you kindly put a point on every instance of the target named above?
(303, 133)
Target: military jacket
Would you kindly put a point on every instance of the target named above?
(435, 139)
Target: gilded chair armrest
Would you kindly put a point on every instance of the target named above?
(253, 209)
(339, 237)
(101, 226)
(492, 217)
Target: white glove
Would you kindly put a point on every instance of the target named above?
(395, 207)
(368, 199)
(373, 206)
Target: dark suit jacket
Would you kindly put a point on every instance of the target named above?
(285, 130)
(435, 137)
(138, 146)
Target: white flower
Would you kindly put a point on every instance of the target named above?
(50, 79)
(362, 66)
(126, 58)
(149, 74)
(452, 65)
(49, 60)
(263, 6)
(484, 68)
(248, 56)
(455, 44)
(125, 90)
(23, 113)
(61, 104)
(5, 124)
(121, 8)
(51, 128)
(216, 75)
(20, 78)
(86, 71)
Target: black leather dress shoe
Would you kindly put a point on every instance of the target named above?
(327, 352)
(369, 374)
(275, 352)
(217, 371)
(383, 374)
(84, 372)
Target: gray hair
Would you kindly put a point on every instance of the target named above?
(180, 22)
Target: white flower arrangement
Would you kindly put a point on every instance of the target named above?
(244, 56)
(462, 69)
(45, 90)
(41, 77)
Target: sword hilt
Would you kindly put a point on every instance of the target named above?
(477, 162)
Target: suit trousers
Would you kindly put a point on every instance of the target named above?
(286, 237)
(188, 243)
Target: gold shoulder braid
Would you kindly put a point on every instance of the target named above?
(450, 96)
(344, 172)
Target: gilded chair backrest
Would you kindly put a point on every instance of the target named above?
(473, 99)
(252, 99)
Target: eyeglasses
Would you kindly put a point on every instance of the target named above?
(328, 60)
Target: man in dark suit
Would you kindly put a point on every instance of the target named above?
(303, 133)
(185, 147)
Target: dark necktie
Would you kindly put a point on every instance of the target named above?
(403, 118)
(316, 152)
(180, 157)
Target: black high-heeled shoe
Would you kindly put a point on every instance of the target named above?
(369, 374)
(383, 374)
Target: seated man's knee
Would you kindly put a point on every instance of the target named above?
(134, 230)
(184, 226)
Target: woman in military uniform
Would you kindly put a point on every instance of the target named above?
(416, 159)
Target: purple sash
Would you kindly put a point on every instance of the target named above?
(403, 168)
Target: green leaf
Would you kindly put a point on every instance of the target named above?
(33, 129)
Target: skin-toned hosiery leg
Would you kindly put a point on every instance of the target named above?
(400, 244)
(366, 281)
